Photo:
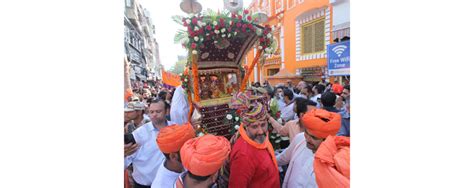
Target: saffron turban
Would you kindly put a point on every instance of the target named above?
(171, 138)
(321, 123)
(332, 162)
(205, 155)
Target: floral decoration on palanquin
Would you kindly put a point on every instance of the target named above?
(220, 26)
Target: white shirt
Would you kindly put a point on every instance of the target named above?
(287, 112)
(146, 117)
(179, 106)
(315, 99)
(164, 177)
(281, 104)
(300, 171)
(298, 95)
(147, 159)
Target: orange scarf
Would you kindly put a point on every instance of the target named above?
(265, 145)
(332, 162)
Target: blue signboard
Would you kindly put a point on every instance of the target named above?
(339, 59)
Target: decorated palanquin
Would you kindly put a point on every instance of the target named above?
(217, 43)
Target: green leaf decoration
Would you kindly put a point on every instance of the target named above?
(178, 19)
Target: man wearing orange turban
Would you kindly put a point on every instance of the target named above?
(331, 161)
(252, 160)
(169, 140)
(202, 157)
(319, 124)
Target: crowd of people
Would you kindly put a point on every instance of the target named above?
(163, 150)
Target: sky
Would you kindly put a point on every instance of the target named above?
(165, 27)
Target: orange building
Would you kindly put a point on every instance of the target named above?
(303, 29)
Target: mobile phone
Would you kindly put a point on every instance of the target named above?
(129, 138)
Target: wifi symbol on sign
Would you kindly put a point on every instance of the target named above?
(339, 49)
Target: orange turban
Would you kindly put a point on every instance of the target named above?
(203, 156)
(332, 162)
(171, 138)
(321, 123)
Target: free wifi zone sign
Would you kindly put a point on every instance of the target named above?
(339, 59)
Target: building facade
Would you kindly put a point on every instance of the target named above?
(303, 29)
(140, 45)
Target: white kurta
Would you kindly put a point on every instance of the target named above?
(164, 177)
(300, 171)
(179, 107)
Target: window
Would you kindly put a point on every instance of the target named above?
(128, 3)
(272, 72)
(313, 36)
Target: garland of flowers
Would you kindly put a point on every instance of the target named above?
(234, 120)
(185, 80)
(220, 26)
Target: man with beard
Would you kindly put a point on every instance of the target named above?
(252, 159)
(307, 92)
(299, 87)
(169, 140)
(317, 90)
(145, 156)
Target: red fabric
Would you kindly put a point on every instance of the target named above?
(266, 145)
(127, 183)
(337, 88)
(332, 162)
(251, 167)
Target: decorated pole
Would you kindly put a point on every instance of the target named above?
(195, 78)
(188, 92)
(249, 71)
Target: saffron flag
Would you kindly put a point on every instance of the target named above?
(170, 79)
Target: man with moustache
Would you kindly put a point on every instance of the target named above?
(252, 159)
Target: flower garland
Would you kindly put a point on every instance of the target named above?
(234, 120)
(185, 80)
(220, 26)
